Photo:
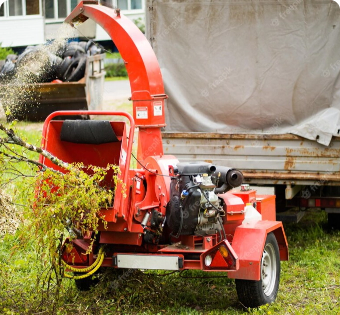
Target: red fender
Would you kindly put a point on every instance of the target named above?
(248, 243)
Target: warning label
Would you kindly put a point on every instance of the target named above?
(141, 112)
(157, 108)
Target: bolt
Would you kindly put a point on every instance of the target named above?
(125, 229)
(208, 239)
(81, 9)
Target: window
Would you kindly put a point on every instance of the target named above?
(59, 9)
(107, 3)
(129, 4)
(49, 9)
(122, 4)
(2, 10)
(20, 8)
(15, 7)
(62, 9)
(32, 7)
(136, 4)
(73, 4)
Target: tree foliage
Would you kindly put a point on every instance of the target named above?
(60, 205)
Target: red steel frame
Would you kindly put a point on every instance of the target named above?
(124, 231)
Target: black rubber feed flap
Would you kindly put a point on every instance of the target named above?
(87, 132)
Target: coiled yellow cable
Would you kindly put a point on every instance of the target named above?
(90, 270)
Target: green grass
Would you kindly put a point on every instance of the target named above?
(116, 78)
(5, 51)
(113, 55)
(310, 281)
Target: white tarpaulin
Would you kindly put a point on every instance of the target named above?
(261, 66)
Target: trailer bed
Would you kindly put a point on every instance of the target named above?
(265, 159)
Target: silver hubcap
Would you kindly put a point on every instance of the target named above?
(268, 269)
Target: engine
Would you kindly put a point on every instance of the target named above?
(194, 207)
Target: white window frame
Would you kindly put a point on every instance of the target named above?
(20, 17)
(115, 2)
(56, 18)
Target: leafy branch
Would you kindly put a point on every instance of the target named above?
(62, 204)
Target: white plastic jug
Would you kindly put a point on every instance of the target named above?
(251, 214)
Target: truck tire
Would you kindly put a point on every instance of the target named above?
(88, 45)
(72, 49)
(76, 69)
(255, 293)
(61, 69)
(334, 221)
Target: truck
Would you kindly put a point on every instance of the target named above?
(163, 214)
(256, 86)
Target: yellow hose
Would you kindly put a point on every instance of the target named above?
(91, 269)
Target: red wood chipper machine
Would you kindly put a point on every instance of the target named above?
(172, 215)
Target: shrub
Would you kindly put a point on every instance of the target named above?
(113, 55)
(5, 51)
(115, 70)
(140, 24)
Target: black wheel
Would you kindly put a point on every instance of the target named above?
(76, 70)
(12, 57)
(61, 69)
(255, 293)
(334, 221)
(88, 45)
(7, 67)
(87, 283)
(72, 49)
(83, 44)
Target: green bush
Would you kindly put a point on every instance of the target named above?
(140, 24)
(4, 51)
(112, 55)
(115, 70)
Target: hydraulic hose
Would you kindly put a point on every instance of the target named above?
(89, 270)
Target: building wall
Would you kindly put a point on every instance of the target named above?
(21, 31)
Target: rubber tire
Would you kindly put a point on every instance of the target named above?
(61, 69)
(334, 221)
(250, 293)
(12, 57)
(72, 49)
(76, 70)
(83, 44)
(87, 283)
(89, 44)
(7, 67)
(27, 51)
